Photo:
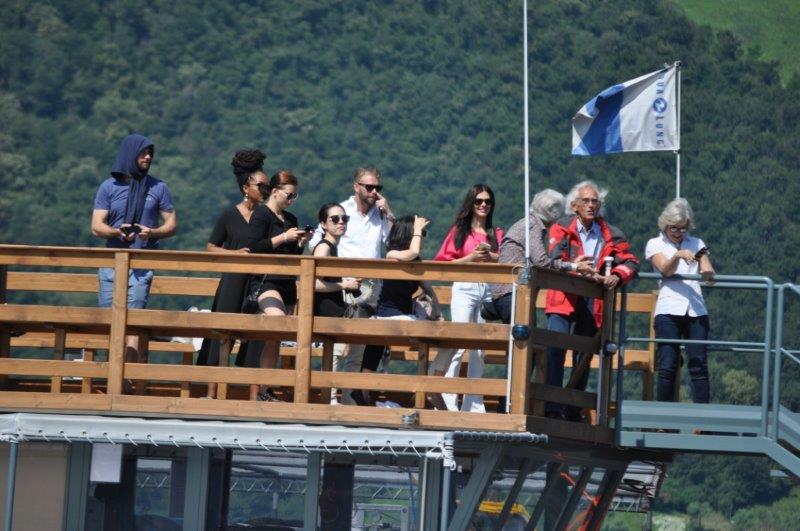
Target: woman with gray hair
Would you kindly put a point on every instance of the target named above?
(680, 309)
(547, 206)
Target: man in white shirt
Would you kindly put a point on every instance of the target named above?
(371, 219)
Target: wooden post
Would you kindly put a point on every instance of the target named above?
(524, 309)
(86, 383)
(225, 347)
(119, 323)
(327, 365)
(142, 355)
(422, 370)
(305, 327)
(5, 334)
(648, 376)
(186, 359)
(59, 343)
(604, 379)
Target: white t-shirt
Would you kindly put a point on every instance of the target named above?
(365, 233)
(678, 297)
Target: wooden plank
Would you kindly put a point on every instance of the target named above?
(213, 324)
(119, 318)
(16, 401)
(86, 382)
(570, 430)
(313, 413)
(305, 327)
(570, 397)
(53, 368)
(169, 285)
(256, 264)
(604, 379)
(409, 383)
(521, 352)
(327, 366)
(430, 270)
(435, 331)
(55, 256)
(638, 302)
(549, 338)
(550, 279)
(44, 317)
(53, 282)
(201, 374)
(58, 355)
(5, 333)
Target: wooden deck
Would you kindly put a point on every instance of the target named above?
(172, 389)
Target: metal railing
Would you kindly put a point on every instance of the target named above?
(780, 352)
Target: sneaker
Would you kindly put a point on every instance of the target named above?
(267, 396)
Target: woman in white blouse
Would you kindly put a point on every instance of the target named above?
(680, 310)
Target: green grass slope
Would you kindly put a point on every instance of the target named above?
(771, 25)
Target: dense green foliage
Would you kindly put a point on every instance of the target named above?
(429, 91)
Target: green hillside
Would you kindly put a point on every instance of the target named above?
(770, 25)
(430, 92)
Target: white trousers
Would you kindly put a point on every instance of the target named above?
(465, 307)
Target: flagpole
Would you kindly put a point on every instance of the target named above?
(527, 156)
(678, 123)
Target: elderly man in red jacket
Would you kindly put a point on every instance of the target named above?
(582, 234)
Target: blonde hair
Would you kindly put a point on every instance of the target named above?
(677, 212)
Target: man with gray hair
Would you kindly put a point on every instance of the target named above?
(546, 207)
(583, 235)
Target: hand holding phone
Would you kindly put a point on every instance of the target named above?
(483, 246)
(308, 228)
(700, 253)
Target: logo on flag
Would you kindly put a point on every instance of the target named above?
(637, 115)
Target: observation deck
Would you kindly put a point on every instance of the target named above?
(548, 472)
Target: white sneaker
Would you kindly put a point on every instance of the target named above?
(387, 404)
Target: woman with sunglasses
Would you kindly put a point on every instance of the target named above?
(680, 309)
(472, 238)
(238, 230)
(328, 296)
(278, 293)
(396, 300)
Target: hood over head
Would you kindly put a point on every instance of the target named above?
(129, 149)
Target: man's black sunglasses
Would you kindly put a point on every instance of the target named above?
(372, 187)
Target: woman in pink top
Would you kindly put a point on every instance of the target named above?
(471, 239)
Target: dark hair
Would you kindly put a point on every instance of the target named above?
(463, 223)
(363, 170)
(245, 163)
(322, 216)
(401, 234)
(281, 178)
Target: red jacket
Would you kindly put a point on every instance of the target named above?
(564, 243)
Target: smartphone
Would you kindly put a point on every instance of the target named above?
(308, 228)
(700, 253)
(133, 229)
(483, 246)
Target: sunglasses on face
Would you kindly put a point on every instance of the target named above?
(337, 219)
(676, 230)
(479, 201)
(372, 187)
(290, 196)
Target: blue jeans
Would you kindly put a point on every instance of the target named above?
(139, 281)
(668, 355)
(579, 322)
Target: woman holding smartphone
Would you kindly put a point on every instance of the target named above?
(472, 238)
(680, 309)
(278, 293)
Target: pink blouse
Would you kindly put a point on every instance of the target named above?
(448, 251)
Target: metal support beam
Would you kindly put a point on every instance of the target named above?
(13, 451)
(553, 470)
(525, 468)
(607, 489)
(77, 486)
(430, 499)
(473, 491)
(574, 497)
(447, 498)
(313, 467)
(196, 496)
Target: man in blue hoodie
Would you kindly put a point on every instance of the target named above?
(132, 210)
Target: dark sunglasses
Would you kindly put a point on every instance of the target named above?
(289, 196)
(479, 202)
(372, 187)
(337, 219)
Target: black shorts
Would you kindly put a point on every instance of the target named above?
(286, 288)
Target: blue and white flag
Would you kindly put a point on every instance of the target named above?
(637, 115)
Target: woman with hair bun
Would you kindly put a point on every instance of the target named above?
(239, 229)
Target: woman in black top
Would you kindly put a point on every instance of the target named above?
(329, 299)
(396, 299)
(278, 293)
(239, 229)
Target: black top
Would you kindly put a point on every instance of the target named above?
(276, 227)
(233, 232)
(396, 297)
(329, 303)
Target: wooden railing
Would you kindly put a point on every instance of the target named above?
(95, 328)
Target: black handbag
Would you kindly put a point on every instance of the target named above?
(250, 302)
(489, 311)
